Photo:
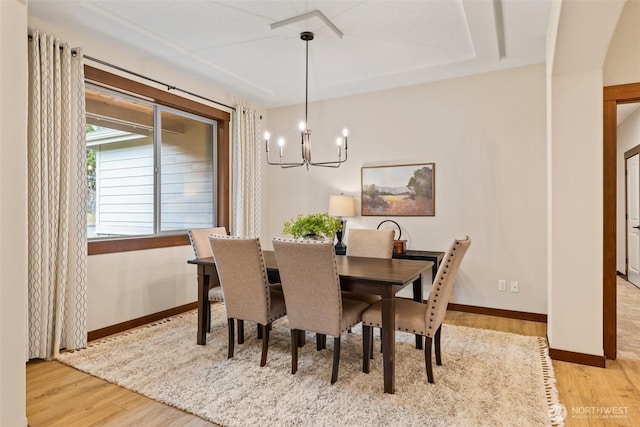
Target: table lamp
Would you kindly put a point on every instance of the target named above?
(342, 206)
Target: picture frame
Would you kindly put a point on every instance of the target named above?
(398, 190)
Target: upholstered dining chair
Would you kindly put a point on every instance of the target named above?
(418, 318)
(199, 238)
(311, 287)
(247, 294)
(370, 243)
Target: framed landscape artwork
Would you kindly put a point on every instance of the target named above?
(399, 190)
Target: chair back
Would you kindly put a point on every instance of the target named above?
(443, 285)
(370, 243)
(311, 285)
(199, 238)
(243, 277)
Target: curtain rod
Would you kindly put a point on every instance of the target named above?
(169, 87)
(133, 73)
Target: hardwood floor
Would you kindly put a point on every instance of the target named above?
(58, 395)
(61, 396)
(628, 312)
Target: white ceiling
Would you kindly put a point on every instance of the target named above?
(386, 44)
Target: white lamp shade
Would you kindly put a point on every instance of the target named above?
(342, 206)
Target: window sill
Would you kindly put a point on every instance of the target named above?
(99, 247)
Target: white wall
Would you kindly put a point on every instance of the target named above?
(622, 64)
(13, 211)
(628, 137)
(486, 135)
(579, 33)
(128, 285)
(575, 304)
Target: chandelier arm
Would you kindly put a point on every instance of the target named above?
(336, 162)
(285, 165)
(327, 164)
(282, 164)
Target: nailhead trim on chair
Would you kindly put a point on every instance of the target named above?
(444, 272)
(274, 316)
(262, 267)
(335, 268)
(429, 303)
(193, 244)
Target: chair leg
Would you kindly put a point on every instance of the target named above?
(372, 335)
(240, 331)
(294, 350)
(437, 339)
(367, 341)
(302, 338)
(230, 326)
(207, 316)
(265, 344)
(381, 346)
(427, 359)
(336, 359)
(321, 342)
(259, 332)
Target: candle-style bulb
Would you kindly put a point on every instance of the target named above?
(302, 126)
(338, 141)
(281, 149)
(345, 132)
(266, 136)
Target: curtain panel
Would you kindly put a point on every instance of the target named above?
(247, 161)
(57, 188)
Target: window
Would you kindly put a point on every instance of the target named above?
(153, 168)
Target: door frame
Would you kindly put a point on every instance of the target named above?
(612, 96)
(627, 155)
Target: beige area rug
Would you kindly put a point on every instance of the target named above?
(488, 378)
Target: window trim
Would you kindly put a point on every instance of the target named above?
(108, 80)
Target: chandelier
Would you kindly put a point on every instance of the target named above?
(305, 132)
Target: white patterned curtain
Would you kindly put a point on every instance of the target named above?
(57, 197)
(247, 160)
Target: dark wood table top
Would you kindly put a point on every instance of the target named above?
(393, 271)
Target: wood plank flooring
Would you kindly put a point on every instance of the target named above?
(58, 395)
(628, 313)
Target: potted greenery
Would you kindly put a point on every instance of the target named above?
(313, 226)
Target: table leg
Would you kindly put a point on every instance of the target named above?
(417, 296)
(389, 343)
(203, 300)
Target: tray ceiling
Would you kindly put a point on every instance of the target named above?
(386, 44)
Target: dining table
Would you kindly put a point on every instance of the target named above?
(378, 276)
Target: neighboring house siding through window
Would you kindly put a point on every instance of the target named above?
(151, 169)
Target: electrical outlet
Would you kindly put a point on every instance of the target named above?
(502, 285)
(515, 287)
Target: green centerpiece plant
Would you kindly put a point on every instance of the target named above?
(314, 226)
